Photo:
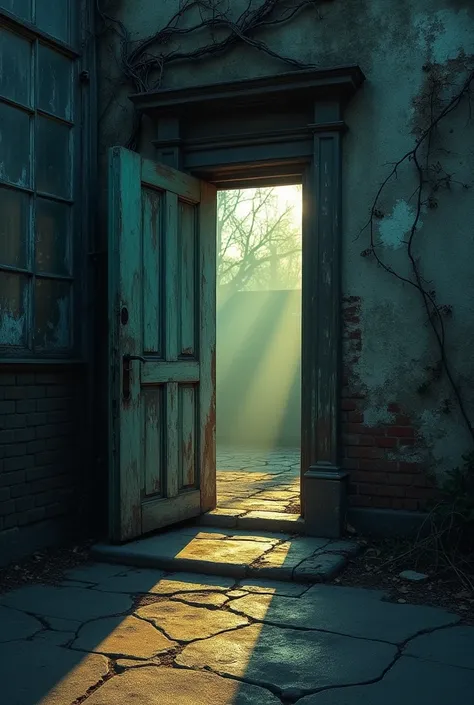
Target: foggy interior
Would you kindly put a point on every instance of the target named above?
(259, 318)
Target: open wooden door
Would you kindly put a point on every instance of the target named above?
(162, 269)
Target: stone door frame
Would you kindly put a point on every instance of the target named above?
(268, 131)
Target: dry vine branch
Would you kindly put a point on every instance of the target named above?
(142, 63)
(425, 177)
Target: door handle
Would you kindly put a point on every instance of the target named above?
(126, 370)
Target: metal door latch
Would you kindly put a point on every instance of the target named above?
(126, 370)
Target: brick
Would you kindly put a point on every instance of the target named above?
(25, 406)
(14, 420)
(24, 503)
(358, 452)
(367, 476)
(46, 378)
(400, 479)
(359, 428)
(32, 515)
(24, 434)
(402, 420)
(419, 492)
(411, 504)
(355, 417)
(16, 392)
(39, 473)
(7, 507)
(36, 446)
(7, 407)
(385, 442)
(35, 392)
(400, 431)
(410, 467)
(7, 437)
(349, 463)
(27, 378)
(7, 379)
(381, 502)
(350, 439)
(15, 449)
(407, 443)
(47, 431)
(366, 440)
(7, 479)
(360, 500)
(394, 408)
(50, 483)
(348, 405)
(10, 521)
(36, 419)
(19, 490)
(379, 465)
(21, 463)
(4, 494)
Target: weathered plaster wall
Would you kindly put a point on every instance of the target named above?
(391, 41)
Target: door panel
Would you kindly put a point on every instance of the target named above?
(162, 244)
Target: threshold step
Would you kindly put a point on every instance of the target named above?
(237, 553)
(259, 520)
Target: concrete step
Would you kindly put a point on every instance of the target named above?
(237, 553)
(253, 520)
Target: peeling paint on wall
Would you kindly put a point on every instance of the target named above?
(445, 33)
(395, 228)
(11, 328)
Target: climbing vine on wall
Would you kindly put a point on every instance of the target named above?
(145, 62)
(439, 100)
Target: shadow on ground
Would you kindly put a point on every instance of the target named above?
(117, 634)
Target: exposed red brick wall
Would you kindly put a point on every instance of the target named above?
(379, 475)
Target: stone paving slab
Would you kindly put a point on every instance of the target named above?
(409, 681)
(355, 613)
(122, 636)
(67, 603)
(38, 673)
(289, 658)
(453, 646)
(17, 625)
(163, 686)
(185, 622)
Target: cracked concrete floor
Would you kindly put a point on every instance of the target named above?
(250, 480)
(112, 634)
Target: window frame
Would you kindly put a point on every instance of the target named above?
(82, 152)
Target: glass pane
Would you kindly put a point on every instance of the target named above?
(13, 307)
(53, 18)
(54, 83)
(53, 314)
(14, 223)
(53, 159)
(14, 145)
(52, 237)
(15, 67)
(21, 8)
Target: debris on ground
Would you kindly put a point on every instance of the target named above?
(47, 566)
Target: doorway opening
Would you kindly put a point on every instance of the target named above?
(258, 368)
